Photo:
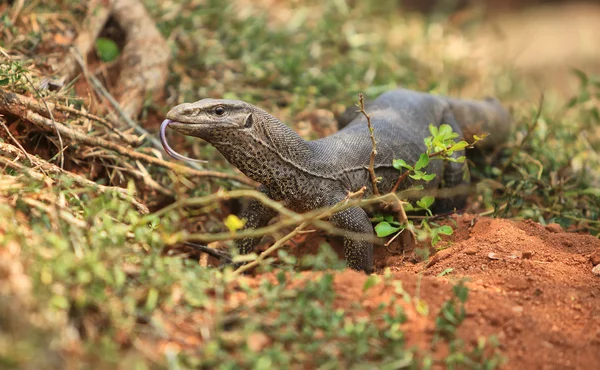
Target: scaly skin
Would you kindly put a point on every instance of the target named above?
(306, 175)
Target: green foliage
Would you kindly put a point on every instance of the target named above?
(440, 146)
(554, 170)
(451, 315)
(108, 281)
(107, 49)
(13, 76)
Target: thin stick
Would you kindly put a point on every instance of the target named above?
(361, 106)
(270, 250)
(61, 148)
(51, 168)
(17, 143)
(401, 178)
(290, 218)
(300, 229)
(129, 139)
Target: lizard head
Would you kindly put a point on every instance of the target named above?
(211, 118)
(251, 139)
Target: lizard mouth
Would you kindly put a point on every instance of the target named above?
(170, 151)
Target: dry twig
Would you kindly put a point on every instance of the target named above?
(278, 244)
(61, 146)
(11, 150)
(361, 106)
(290, 218)
(127, 138)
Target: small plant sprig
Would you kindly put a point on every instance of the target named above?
(440, 146)
(12, 75)
(452, 313)
(483, 355)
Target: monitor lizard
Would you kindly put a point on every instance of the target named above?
(306, 175)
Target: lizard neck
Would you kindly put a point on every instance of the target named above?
(270, 153)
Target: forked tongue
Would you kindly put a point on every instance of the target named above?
(168, 149)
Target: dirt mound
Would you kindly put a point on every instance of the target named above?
(531, 286)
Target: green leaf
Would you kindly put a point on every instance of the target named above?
(417, 175)
(444, 131)
(426, 202)
(459, 146)
(370, 282)
(4, 81)
(107, 49)
(428, 177)
(460, 159)
(383, 229)
(400, 163)
(592, 191)
(422, 162)
(408, 207)
(433, 130)
(151, 299)
(421, 307)
(445, 272)
(583, 78)
(445, 230)
(461, 292)
(479, 137)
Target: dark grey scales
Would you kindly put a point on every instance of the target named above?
(306, 175)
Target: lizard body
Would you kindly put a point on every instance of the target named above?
(306, 175)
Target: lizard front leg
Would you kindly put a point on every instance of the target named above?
(358, 253)
(257, 215)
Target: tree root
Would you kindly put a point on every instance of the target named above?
(144, 59)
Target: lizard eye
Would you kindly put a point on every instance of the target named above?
(219, 111)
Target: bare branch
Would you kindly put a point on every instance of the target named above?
(278, 244)
(361, 106)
